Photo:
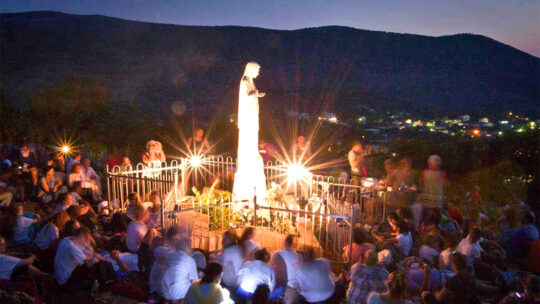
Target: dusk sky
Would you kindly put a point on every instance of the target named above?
(514, 22)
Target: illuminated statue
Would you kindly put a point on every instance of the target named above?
(249, 179)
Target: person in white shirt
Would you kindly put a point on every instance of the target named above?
(10, 265)
(428, 250)
(397, 291)
(91, 180)
(470, 247)
(160, 254)
(248, 243)
(76, 262)
(231, 259)
(180, 272)
(315, 281)
(66, 201)
(404, 238)
(50, 233)
(137, 229)
(253, 274)
(22, 234)
(286, 263)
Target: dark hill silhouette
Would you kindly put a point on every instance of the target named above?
(153, 65)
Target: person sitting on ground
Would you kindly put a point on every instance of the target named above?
(23, 225)
(253, 274)
(154, 212)
(160, 254)
(231, 258)
(91, 180)
(359, 246)
(462, 288)
(286, 263)
(76, 192)
(397, 291)
(180, 272)
(450, 245)
(470, 247)
(137, 229)
(316, 283)
(11, 266)
(26, 164)
(430, 249)
(366, 276)
(5, 195)
(133, 202)
(75, 175)
(66, 201)
(76, 263)
(69, 228)
(403, 240)
(248, 243)
(49, 234)
(50, 187)
(77, 157)
(208, 290)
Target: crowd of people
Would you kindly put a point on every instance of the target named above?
(59, 236)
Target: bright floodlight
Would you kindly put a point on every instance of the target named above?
(195, 161)
(65, 149)
(296, 172)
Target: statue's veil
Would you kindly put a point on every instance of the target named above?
(251, 69)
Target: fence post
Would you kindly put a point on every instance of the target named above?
(351, 236)
(255, 208)
(108, 186)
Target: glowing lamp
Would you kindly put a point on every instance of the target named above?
(65, 149)
(296, 172)
(476, 132)
(195, 161)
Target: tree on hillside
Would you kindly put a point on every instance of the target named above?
(71, 104)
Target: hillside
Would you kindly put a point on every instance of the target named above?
(153, 65)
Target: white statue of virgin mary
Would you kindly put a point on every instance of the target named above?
(249, 179)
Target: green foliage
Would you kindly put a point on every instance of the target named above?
(71, 104)
(221, 217)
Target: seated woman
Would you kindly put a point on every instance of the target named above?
(208, 290)
(136, 230)
(50, 187)
(402, 241)
(133, 202)
(316, 283)
(49, 234)
(154, 212)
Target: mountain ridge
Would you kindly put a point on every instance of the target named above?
(329, 68)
